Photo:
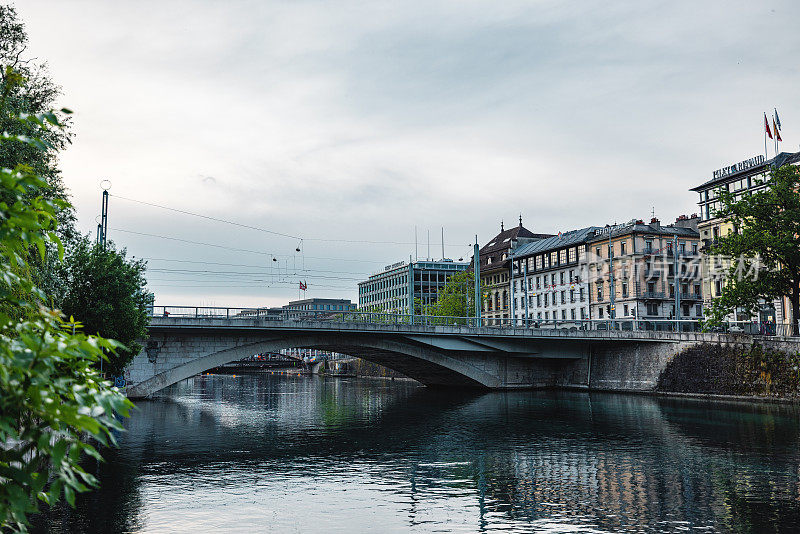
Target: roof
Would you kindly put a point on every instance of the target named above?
(784, 158)
(565, 239)
(641, 228)
(501, 243)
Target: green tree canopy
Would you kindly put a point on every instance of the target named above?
(27, 88)
(52, 399)
(456, 298)
(106, 292)
(763, 249)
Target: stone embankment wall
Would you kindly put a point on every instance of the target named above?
(742, 367)
(364, 368)
(761, 369)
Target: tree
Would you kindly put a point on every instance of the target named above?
(456, 298)
(107, 293)
(763, 248)
(52, 399)
(27, 88)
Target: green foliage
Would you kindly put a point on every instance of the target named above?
(456, 298)
(764, 251)
(106, 292)
(28, 90)
(51, 396)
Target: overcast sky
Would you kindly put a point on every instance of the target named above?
(361, 120)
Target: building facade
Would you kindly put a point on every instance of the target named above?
(402, 287)
(316, 307)
(745, 177)
(549, 280)
(495, 274)
(643, 272)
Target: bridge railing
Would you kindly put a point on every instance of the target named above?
(378, 318)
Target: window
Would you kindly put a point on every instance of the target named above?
(553, 279)
(600, 313)
(625, 292)
(651, 287)
(697, 290)
(625, 310)
(698, 310)
(599, 292)
(572, 314)
(648, 246)
(563, 297)
(538, 282)
(562, 256)
(583, 313)
(597, 252)
(572, 255)
(561, 276)
(538, 262)
(545, 300)
(554, 258)
(694, 248)
(546, 316)
(622, 252)
(538, 301)
(563, 315)
(717, 287)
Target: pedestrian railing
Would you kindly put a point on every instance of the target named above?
(379, 318)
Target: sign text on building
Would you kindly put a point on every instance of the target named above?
(741, 166)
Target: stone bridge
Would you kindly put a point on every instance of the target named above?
(464, 356)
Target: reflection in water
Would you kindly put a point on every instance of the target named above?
(306, 454)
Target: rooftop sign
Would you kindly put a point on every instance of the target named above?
(741, 166)
(394, 266)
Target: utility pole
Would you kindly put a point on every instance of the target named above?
(611, 282)
(677, 285)
(102, 227)
(525, 290)
(477, 267)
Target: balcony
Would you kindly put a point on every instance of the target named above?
(691, 296)
(653, 295)
(653, 273)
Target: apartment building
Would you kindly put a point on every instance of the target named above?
(548, 278)
(646, 271)
(494, 265)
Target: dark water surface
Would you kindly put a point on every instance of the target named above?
(299, 454)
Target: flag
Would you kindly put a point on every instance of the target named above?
(303, 286)
(777, 119)
(766, 126)
(777, 131)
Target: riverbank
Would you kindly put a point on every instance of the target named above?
(755, 371)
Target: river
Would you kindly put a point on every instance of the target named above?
(276, 453)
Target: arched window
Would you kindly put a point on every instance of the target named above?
(505, 299)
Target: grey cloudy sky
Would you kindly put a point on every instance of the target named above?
(360, 120)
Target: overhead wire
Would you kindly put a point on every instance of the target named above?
(273, 232)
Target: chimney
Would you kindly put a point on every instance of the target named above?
(655, 222)
(688, 222)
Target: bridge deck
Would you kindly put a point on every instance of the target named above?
(166, 324)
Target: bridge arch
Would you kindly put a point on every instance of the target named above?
(430, 367)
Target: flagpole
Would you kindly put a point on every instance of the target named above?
(766, 154)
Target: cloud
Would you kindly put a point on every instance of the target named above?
(362, 121)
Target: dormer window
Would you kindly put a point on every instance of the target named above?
(489, 260)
